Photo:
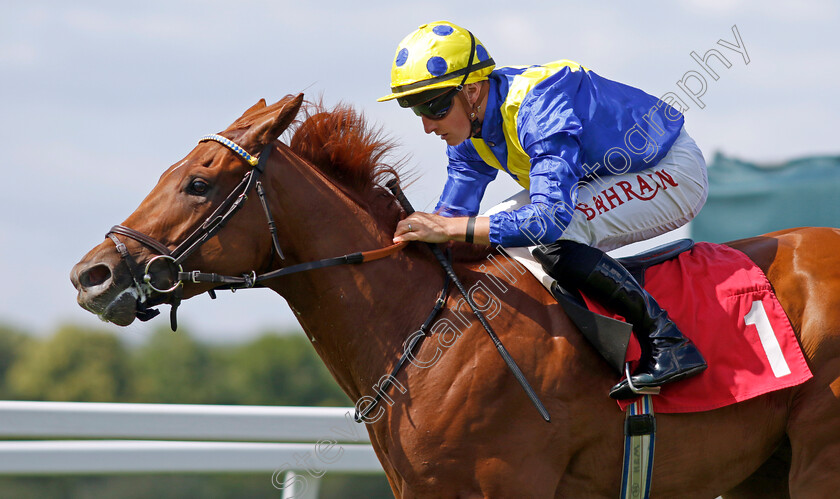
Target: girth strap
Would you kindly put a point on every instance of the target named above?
(639, 444)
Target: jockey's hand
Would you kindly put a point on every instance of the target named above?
(433, 228)
(430, 228)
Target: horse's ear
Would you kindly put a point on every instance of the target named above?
(256, 107)
(273, 124)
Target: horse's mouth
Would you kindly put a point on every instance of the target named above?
(120, 310)
(126, 305)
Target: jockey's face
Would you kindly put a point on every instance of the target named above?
(454, 128)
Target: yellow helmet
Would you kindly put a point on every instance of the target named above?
(437, 55)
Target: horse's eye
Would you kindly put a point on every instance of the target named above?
(198, 186)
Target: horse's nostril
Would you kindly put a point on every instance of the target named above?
(95, 275)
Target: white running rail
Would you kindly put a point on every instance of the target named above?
(296, 445)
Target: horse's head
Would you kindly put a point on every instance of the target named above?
(126, 275)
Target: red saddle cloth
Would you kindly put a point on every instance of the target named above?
(721, 300)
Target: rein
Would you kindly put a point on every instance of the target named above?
(212, 225)
(249, 281)
(450, 272)
(410, 348)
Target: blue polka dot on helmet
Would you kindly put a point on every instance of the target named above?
(402, 56)
(436, 65)
(437, 55)
(442, 30)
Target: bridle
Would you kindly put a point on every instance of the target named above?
(209, 228)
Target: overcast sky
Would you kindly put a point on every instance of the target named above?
(99, 98)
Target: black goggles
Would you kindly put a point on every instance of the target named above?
(438, 107)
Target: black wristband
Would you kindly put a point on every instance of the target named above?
(470, 230)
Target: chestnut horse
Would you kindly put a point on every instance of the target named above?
(463, 427)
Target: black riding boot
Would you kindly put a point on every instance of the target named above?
(667, 355)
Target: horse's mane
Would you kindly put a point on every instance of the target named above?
(356, 155)
(344, 146)
(339, 142)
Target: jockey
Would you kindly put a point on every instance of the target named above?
(603, 164)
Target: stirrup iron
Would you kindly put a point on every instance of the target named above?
(645, 390)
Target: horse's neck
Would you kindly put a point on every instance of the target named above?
(357, 316)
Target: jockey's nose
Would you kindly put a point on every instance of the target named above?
(429, 126)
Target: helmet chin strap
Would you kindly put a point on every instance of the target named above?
(472, 110)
